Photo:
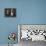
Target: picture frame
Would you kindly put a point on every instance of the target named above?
(10, 12)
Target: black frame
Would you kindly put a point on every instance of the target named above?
(7, 12)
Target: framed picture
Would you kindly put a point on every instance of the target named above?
(10, 12)
(33, 32)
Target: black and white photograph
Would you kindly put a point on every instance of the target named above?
(10, 12)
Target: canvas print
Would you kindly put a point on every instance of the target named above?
(10, 12)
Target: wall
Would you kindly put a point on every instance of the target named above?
(28, 12)
(8, 25)
(33, 12)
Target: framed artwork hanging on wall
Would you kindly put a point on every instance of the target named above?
(10, 12)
